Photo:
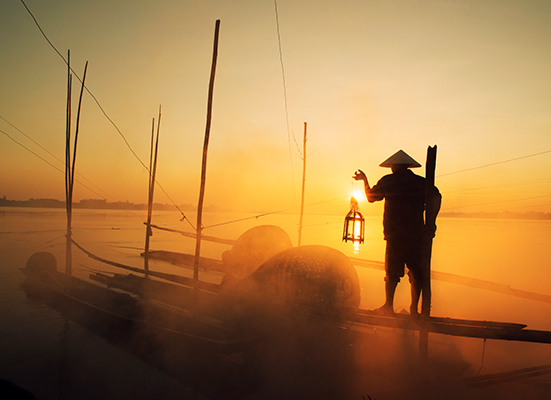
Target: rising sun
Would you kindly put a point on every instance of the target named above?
(358, 195)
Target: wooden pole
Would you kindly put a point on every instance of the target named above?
(152, 174)
(303, 186)
(70, 166)
(430, 217)
(68, 200)
(430, 220)
(205, 151)
(77, 130)
(148, 231)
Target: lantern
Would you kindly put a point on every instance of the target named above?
(354, 224)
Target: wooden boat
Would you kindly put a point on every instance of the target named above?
(180, 295)
(195, 350)
(171, 325)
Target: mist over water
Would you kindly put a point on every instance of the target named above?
(66, 358)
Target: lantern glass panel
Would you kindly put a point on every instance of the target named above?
(354, 227)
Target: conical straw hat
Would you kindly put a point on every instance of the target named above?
(400, 158)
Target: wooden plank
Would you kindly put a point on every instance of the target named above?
(194, 235)
(150, 289)
(208, 264)
(169, 277)
(453, 327)
(465, 281)
(451, 321)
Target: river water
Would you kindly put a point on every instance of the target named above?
(55, 358)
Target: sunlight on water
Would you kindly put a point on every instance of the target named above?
(513, 254)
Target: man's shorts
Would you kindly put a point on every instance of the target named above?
(403, 252)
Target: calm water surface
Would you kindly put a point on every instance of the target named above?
(56, 358)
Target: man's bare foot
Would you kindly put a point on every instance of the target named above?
(384, 310)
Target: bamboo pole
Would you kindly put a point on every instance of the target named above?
(303, 185)
(70, 165)
(151, 191)
(426, 294)
(430, 217)
(205, 151)
(148, 231)
(68, 200)
(77, 130)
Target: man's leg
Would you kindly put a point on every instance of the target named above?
(415, 294)
(393, 266)
(415, 265)
(390, 289)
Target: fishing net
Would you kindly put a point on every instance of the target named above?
(252, 248)
(310, 280)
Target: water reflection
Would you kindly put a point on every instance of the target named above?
(356, 249)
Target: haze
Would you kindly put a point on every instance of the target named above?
(369, 78)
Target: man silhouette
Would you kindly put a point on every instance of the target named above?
(403, 223)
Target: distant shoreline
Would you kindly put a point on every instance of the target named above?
(96, 204)
(92, 204)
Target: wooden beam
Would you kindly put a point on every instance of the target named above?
(205, 151)
(456, 327)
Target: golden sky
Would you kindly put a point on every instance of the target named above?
(369, 78)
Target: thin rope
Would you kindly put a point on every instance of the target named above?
(247, 218)
(83, 185)
(59, 170)
(31, 139)
(32, 152)
(88, 90)
(530, 182)
(495, 163)
(499, 202)
(101, 109)
(50, 153)
(482, 362)
(270, 213)
(285, 99)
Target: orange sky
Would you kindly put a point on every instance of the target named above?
(369, 78)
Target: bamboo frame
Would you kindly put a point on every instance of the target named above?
(205, 152)
(151, 190)
(426, 292)
(70, 165)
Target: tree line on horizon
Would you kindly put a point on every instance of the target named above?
(94, 204)
(102, 204)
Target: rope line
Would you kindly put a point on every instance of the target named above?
(247, 218)
(496, 163)
(498, 202)
(87, 90)
(50, 153)
(286, 117)
(58, 169)
(530, 182)
(32, 152)
(170, 277)
(31, 139)
(482, 361)
(101, 109)
(272, 212)
(285, 97)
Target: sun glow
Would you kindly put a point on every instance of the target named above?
(358, 195)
